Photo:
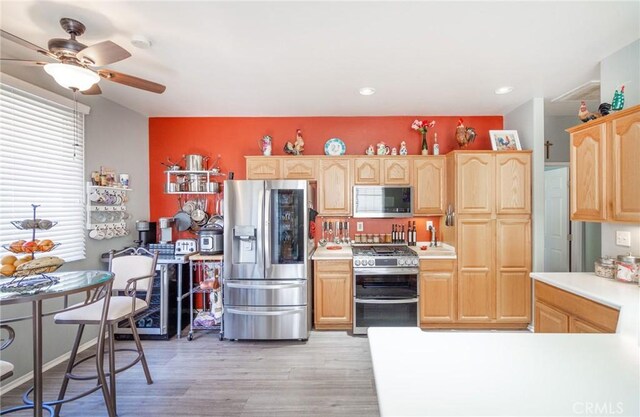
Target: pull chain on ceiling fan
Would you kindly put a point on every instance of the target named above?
(74, 69)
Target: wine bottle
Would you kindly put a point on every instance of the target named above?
(402, 235)
(415, 234)
(393, 233)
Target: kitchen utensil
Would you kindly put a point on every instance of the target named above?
(210, 241)
(182, 218)
(216, 222)
(213, 187)
(171, 187)
(323, 240)
(195, 162)
(198, 214)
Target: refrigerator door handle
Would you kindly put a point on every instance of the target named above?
(264, 313)
(267, 231)
(265, 287)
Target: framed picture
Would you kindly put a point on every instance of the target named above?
(505, 140)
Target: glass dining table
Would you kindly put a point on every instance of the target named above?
(35, 290)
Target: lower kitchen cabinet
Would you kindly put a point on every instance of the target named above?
(333, 294)
(559, 311)
(437, 291)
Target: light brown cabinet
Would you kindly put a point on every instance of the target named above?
(513, 183)
(366, 171)
(513, 264)
(334, 187)
(475, 192)
(299, 168)
(437, 291)
(333, 294)
(559, 311)
(429, 185)
(604, 156)
(396, 171)
(263, 168)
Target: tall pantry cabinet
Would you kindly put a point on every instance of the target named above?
(491, 195)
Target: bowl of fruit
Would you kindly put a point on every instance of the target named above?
(31, 246)
(13, 266)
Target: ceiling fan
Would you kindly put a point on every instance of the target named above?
(75, 69)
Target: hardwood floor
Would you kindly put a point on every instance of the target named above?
(330, 375)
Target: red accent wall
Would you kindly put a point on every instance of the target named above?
(234, 137)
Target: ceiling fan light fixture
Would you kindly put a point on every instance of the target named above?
(72, 76)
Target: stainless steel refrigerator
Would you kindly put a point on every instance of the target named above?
(267, 271)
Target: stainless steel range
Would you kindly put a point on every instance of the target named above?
(385, 287)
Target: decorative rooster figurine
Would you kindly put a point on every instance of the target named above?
(295, 148)
(585, 115)
(464, 135)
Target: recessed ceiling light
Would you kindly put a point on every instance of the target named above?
(141, 42)
(367, 91)
(504, 90)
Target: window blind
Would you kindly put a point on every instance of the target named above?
(42, 162)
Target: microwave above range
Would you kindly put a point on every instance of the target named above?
(379, 201)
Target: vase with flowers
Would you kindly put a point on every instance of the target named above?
(423, 126)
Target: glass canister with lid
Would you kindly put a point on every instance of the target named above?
(606, 267)
(628, 268)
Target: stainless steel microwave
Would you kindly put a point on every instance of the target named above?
(382, 201)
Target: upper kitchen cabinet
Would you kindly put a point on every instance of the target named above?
(334, 186)
(299, 168)
(513, 183)
(587, 166)
(366, 171)
(263, 168)
(396, 171)
(623, 162)
(604, 168)
(476, 182)
(429, 185)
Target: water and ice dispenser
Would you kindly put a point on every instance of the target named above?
(244, 245)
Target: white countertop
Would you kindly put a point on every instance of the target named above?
(466, 373)
(443, 251)
(619, 295)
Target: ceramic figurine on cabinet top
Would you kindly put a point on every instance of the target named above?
(403, 148)
(265, 145)
(394, 151)
(617, 103)
(464, 135)
(297, 147)
(383, 149)
(370, 151)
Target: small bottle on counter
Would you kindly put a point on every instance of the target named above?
(436, 147)
(402, 237)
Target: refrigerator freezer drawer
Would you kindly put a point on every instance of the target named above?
(264, 323)
(265, 293)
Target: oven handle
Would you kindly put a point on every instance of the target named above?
(378, 301)
(386, 271)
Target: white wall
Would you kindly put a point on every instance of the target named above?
(528, 120)
(622, 67)
(554, 131)
(116, 137)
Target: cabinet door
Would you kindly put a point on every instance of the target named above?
(333, 296)
(396, 171)
(263, 168)
(513, 183)
(513, 257)
(476, 280)
(299, 169)
(550, 320)
(437, 297)
(334, 187)
(587, 150)
(580, 326)
(429, 186)
(625, 157)
(366, 171)
(476, 183)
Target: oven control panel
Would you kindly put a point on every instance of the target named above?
(372, 262)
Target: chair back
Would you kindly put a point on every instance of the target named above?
(133, 263)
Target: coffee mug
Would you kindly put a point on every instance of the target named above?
(124, 180)
(96, 234)
(109, 234)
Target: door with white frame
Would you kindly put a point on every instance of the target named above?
(557, 244)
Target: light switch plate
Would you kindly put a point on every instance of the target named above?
(429, 223)
(623, 238)
(359, 226)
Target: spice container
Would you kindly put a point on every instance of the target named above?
(605, 267)
(627, 268)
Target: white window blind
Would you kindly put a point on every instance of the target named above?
(42, 162)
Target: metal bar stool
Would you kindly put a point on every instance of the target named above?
(134, 270)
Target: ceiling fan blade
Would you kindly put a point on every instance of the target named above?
(26, 44)
(93, 91)
(131, 81)
(103, 53)
(23, 62)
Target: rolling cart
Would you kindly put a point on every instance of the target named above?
(206, 268)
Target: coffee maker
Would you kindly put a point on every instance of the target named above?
(166, 229)
(146, 232)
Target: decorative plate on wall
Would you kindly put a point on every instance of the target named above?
(335, 147)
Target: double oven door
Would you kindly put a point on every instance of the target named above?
(385, 297)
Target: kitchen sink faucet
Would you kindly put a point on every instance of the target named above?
(434, 238)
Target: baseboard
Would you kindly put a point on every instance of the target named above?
(5, 388)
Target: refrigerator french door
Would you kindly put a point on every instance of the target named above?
(266, 288)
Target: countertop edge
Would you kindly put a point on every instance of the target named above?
(575, 290)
